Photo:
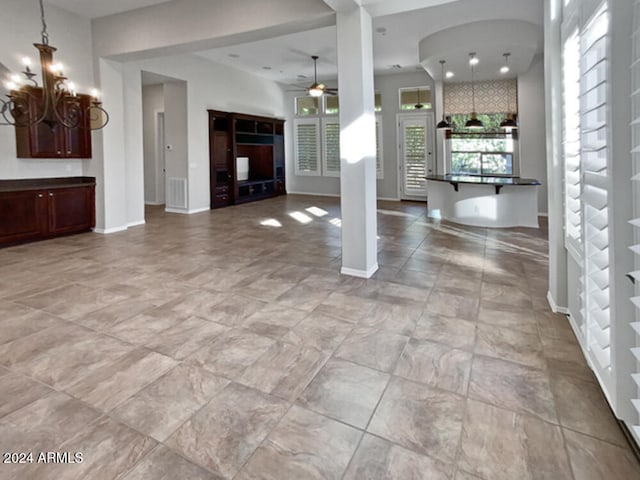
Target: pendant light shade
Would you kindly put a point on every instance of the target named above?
(418, 105)
(443, 124)
(474, 122)
(509, 121)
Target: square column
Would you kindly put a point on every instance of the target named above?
(357, 143)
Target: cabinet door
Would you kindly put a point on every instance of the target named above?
(23, 216)
(71, 210)
(220, 159)
(77, 141)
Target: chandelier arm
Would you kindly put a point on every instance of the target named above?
(100, 112)
(70, 118)
(20, 108)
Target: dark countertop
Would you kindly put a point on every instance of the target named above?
(483, 179)
(21, 184)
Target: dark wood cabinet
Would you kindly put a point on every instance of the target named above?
(258, 139)
(34, 209)
(41, 140)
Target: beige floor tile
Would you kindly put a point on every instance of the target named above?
(512, 386)
(230, 353)
(420, 418)
(304, 297)
(303, 445)
(451, 331)
(160, 408)
(522, 320)
(224, 434)
(464, 307)
(274, 321)
(373, 348)
(593, 459)
(499, 444)
(112, 384)
(554, 325)
(18, 321)
(435, 365)
(377, 459)
(164, 464)
(582, 407)
(319, 331)
(401, 319)
(508, 344)
(345, 391)
(184, 338)
(17, 391)
(349, 308)
(566, 358)
(284, 370)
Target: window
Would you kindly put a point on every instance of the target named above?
(307, 144)
(317, 137)
(377, 102)
(490, 152)
(410, 97)
(306, 106)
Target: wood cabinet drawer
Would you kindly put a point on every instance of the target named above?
(222, 189)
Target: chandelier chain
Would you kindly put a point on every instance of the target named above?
(45, 35)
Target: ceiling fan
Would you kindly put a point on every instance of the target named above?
(318, 89)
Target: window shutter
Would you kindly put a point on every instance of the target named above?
(307, 146)
(331, 147)
(415, 144)
(595, 194)
(635, 155)
(379, 151)
(571, 145)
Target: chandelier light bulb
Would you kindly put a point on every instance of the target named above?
(94, 93)
(449, 74)
(473, 60)
(26, 61)
(15, 78)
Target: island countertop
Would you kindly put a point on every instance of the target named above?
(483, 179)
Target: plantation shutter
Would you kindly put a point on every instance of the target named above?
(379, 151)
(635, 155)
(595, 194)
(331, 147)
(571, 144)
(414, 157)
(307, 146)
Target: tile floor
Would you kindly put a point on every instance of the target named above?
(214, 347)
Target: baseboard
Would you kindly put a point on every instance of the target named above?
(556, 308)
(359, 273)
(106, 231)
(154, 203)
(135, 224)
(543, 214)
(389, 199)
(199, 210)
(176, 210)
(311, 194)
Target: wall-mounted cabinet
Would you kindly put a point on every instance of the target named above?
(40, 140)
(246, 158)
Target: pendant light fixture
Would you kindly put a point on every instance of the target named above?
(505, 68)
(56, 102)
(509, 121)
(443, 124)
(473, 122)
(418, 105)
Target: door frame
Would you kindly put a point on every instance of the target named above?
(428, 116)
(161, 177)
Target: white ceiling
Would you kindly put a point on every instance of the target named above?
(396, 38)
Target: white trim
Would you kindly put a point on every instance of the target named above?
(359, 273)
(136, 223)
(199, 210)
(176, 210)
(543, 214)
(154, 203)
(555, 308)
(106, 231)
(390, 199)
(289, 192)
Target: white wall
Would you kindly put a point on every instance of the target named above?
(387, 187)
(71, 35)
(176, 119)
(152, 103)
(208, 86)
(531, 117)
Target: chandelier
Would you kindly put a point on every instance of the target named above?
(54, 103)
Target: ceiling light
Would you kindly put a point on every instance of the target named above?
(449, 74)
(505, 68)
(55, 102)
(473, 122)
(473, 60)
(443, 124)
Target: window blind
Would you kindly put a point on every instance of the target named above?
(307, 145)
(331, 147)
(415, 144)
(635, 157)
(595, 194)
(571, 144)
